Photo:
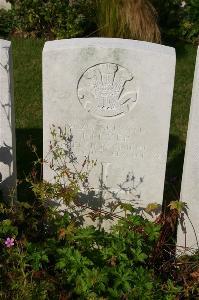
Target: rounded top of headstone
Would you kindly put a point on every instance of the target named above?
(5, 5)
(4, 43)
(108, 43)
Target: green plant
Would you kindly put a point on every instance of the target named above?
(169, 16)
(6, 23)
(51, 19)
(53, 257)
(189, 26)
(46, 254)
(178, 19)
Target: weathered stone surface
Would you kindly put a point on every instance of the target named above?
(190, 178)
(7, 127)
(115, 96)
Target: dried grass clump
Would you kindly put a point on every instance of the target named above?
(136, 19)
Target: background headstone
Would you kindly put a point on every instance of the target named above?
(4, 4)
(189, 233)
(115, 96)
(7, 127)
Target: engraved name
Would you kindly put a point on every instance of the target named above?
(107, 140)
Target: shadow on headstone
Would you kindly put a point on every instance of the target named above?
(111, 203)
(93, 203)
(6, 158)
(7, 123)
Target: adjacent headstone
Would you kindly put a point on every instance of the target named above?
(7, 127)
(115, 96)
(188, 233)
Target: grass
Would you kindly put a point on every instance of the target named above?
(28, 104)
(27, 62)
(28, 84)
(186, 56)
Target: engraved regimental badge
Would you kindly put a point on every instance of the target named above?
(104, 90)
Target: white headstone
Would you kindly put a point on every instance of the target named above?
(4, 4)
(7, 127)
(115, 96)
(189, 236)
